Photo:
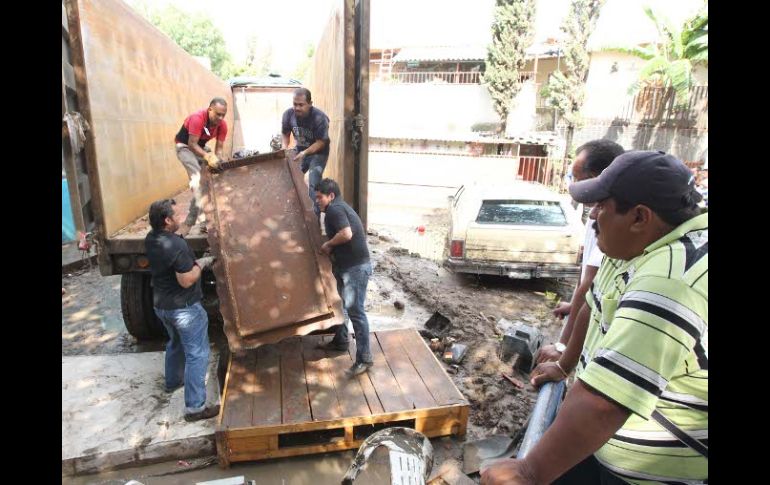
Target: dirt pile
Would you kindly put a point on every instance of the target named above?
(472, 306)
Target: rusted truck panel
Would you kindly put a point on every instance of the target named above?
(138, 86)
(338, 79)
(271, 280)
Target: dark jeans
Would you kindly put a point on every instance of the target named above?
(589, 472)
(315, 164)
(351, 285)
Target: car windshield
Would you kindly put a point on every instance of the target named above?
(522, 212)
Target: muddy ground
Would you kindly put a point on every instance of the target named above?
(473, 306)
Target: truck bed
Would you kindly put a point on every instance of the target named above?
(130, 239)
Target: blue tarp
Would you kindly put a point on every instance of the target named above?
(67, 220)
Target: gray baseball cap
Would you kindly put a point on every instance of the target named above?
(654, 179)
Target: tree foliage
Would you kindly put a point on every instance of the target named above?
(670, 62)
(565, 91)
(192, 31)
(512, 34)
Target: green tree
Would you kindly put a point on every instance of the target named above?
(301, 71)
(259, 57)
(194, 32)
(512, 34)
(695, 37)
(565, 91)
(258, 61)
(670, 61)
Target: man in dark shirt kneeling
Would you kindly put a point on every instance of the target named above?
(352, 269)
(177, 302)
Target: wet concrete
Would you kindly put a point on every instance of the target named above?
(321, 469)
(115, 411)
(92, 321)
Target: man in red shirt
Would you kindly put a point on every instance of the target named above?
(191, 149)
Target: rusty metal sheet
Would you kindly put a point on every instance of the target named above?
(271, 280)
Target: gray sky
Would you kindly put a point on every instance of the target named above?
(288, 27)
(397, 23)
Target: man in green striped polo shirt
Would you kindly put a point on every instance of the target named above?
(638, 411)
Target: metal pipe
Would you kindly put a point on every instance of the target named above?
(547, 404)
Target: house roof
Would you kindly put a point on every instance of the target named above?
(465, 53)
(441, 53)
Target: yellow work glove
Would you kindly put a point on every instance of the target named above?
(212, 160)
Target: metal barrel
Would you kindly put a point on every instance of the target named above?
(547, 404)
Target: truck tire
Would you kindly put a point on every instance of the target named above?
(136, 304)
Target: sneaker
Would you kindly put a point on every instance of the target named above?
(206, 413)
(332, 346)
(359, 368)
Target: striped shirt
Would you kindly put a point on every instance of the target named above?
(647, 349)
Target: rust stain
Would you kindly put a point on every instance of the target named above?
(271, 280)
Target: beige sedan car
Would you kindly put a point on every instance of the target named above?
(520, 230)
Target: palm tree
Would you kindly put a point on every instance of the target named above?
(670, 62)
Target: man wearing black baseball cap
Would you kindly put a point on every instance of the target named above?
(638, 411)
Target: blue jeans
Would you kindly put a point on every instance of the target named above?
(351, 285)
(187, 352)
(315, 164)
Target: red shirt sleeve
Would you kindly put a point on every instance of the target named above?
(195, 125)
(222, 131)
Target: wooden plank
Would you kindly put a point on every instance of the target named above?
(294, 451)
(251, 443)
(267, 395)
(320, 385)
(241, 384)
(222, 452)
(464, 412)
(383, 380)
(350, 394)
(343, 422)
(429, 368)
(408, 379)
(440, 425)
(294, 399)
(365, 381)
(228, 378)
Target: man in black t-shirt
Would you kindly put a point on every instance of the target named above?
(176, 300)
(310, 127)
(352, 269)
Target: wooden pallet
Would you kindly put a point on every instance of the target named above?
(290, 399)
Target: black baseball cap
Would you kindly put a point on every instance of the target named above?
(651, 178)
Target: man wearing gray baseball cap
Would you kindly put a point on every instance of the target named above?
(638, 411)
